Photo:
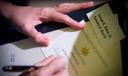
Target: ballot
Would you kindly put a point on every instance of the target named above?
(89, 52)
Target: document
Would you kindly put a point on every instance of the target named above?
(105, 25)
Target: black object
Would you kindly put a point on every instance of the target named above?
(12, 68)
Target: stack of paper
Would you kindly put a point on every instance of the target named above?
(94, 51)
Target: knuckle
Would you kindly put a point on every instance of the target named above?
(66, 18)
(25, 28)
(46, 12)
(63, 4)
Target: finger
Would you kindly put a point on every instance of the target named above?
(45, 61)
(59, 17)
(68, 7)
(49, 14)
(55, 66)
(36, 36)
(63, 72)
(43, 64)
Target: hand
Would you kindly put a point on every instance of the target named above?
(26, 18)
(52, 66)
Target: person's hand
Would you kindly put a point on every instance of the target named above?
(26, 18)
(52, 66)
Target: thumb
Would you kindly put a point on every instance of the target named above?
(36, 36)
(56, 65)
(46, 61)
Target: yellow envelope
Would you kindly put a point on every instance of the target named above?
(113, 52)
